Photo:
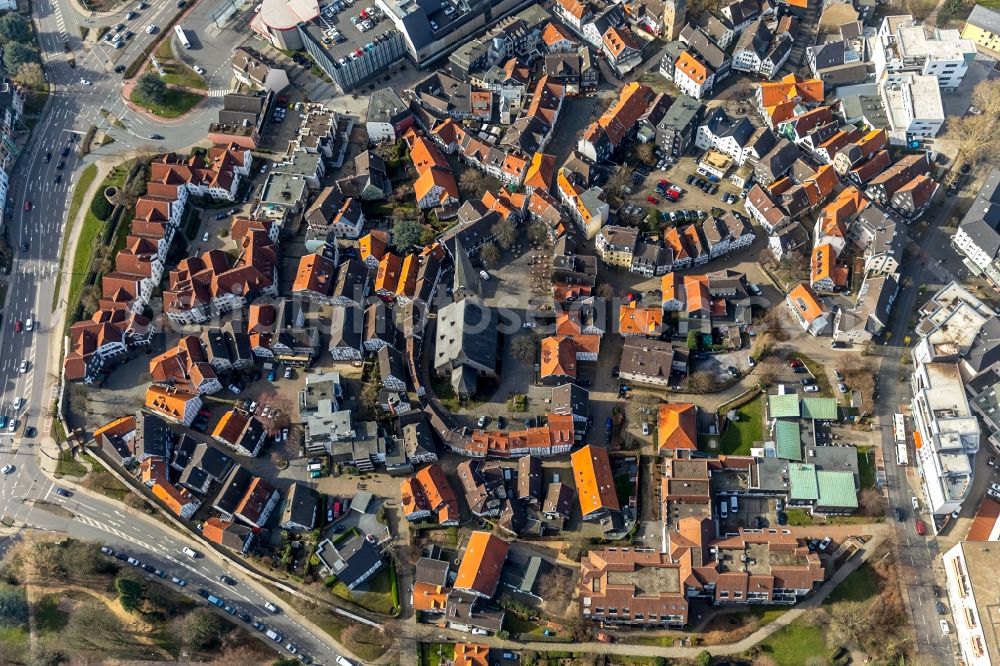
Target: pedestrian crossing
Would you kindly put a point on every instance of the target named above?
(104, 527)
(60, 22)
(218, 92)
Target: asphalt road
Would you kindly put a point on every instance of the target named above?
(27, 496)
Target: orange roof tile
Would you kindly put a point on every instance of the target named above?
(168, 401)
(558, 357)
(696, 291)
(315, 274)
(595, 485)
(693, 69)
(429, 597)
(633, 320)
(805, 300)
(677, 427)
(554, 34)
(540, 171)
(482, 563)
(471, 654)
(791, 88)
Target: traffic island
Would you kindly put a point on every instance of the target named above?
(173, 103)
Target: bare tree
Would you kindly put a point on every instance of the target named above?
(473, 183)
(557, 585)
(701, 381)
(618, 181)
(538, 232)
(506, 233)
(768, 371)
(524, 348)
(870, 501)
(280, 411)
(489, 255)
(986, 97)
(605, 290)
(646, 153)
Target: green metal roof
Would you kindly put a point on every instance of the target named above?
(783, 406)
(786, 437)
(802, 481)
(819, 409)
(836, 489)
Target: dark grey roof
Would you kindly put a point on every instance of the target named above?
(386, 106)
(558, 499)
(985, 350)
(234, 487)
(357, 556)
(762, 141)
(432, 571)
(982, 221)
(571, 399)
(722, 125)
(184, 451)
(300, 506)
(529, 478)
(390, 363)
(153, 437)
(466, 278)
(613, 16)
(781, 46)
(352, 277)
(714, 26)
(214, 461)
(466, 330)
(703, 45)
(829, 54)
(684, 111)
(244, 103)
(755, 37)
(346, 327)
(985, 18)
(779, 160)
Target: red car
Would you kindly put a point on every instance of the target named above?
(794, 363)
(27, 205)
(653, 200)
(921, 527)
(665, 183)
(17, 326)
(674, 191)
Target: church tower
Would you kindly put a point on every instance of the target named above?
(674, 17)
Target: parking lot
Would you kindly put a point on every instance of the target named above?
(692, 199)
(349, 30)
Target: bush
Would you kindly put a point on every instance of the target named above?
(101, 207)
(13, 607)
(129, 593)
(203, 629)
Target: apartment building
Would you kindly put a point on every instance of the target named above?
(913, 106)
(983, 27)
(972, 589)
(901, 47)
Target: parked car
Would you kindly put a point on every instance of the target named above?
(899, 513)
(824, 544)
(921, 527)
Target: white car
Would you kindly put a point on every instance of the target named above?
(204, 237)
(150, 29)
(945, 629)
(23, 368)
(812, 388)
(85, 82)
(263, 168)
(180, 582)
(199, 70)
(190, 552)
(7, 469)
(751, 362)
(824, 544)
(18, 401)
(271, 607)
(645, 428)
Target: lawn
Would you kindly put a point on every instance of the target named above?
(164, 51)
(795, 644)
(819, 372)
(376, 597)
(14, 643)
(434, 654)
(48, 617)
(740, 435)
(799, 517)
(175, 103)
(516, 624)
(179, 74)
(92, 229)
(366, 647)
(86, 179)
(866, 467)
(861, 585)
(67, 466)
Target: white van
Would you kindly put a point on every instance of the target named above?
(723, 508)
(734, 504)
(29, 324)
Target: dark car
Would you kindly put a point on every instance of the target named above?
(615, 371)
(228, 580)
(129, 35)
(733, 370)
(25, 246)
(807, 381)
(181, 4)
(800, 369)
(119, 69)
(65, 151)
(203, 592)
(61, 165)
(121, 556)
(57, 179)
(940, 608)
(501, 422)
(149, 568)
(937, 591)
(156, 137)
(62, 492)
(246, 617)
(782, 518)
(900, 515)
(48, 156)
(992, 461)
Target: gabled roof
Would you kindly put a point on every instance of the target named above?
(806, 303)
(595, 484)
(481, 564)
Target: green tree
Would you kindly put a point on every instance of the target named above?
(16, 54)
(370, 391)
(489, 254)
(427, 236)
(14, 28)
(129, 593)
(953, 7)
(149, 88)
(506, 234)
(203, 629)
(406, 234)
(101, 207)
(704, 658)
(693, 340)
(13, 607)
